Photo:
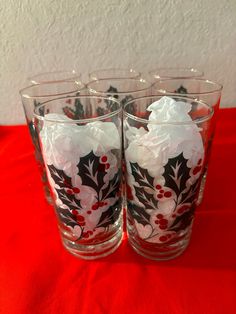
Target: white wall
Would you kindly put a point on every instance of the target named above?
(49, 35)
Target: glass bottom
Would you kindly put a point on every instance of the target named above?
(160, 252)
(94, 251)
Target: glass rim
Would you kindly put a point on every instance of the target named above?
(26, 95)
(130, 70)
(193, 70)
(198, 120)
(218, 86)
(141, 80)
(71, 75)
(98, 118)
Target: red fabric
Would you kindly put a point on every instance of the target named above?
(37, 275)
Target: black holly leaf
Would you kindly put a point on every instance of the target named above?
(92, 172)
(139, 214)
(113, 187)
(112, 91)
(34, 136)
(125, 100)
(141, 175)
(68, 199)
(145, 198)
(110, 216)
(191, 194)
(181, 90)
(59, 177)
(100, 111)
(183, 221)
(176, 174)
(79, 109)
(67, 217)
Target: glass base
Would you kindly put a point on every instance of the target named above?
(95, 251)
(160, 252)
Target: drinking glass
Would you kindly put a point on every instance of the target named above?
(113, 73)
(166, 141)
(56, 76)
(165, 73)
(199, 89)
(82, 157)
(32, 97)
(123, 89)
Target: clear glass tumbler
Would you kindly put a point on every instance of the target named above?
(167, 73)
(113, 73)
(165, 143)
(123, 89)
(199, 89)
(32, 97)
(82, 157)
(55, 76)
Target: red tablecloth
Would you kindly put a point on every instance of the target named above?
(37, 275)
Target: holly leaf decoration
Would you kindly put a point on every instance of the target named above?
(113, 187)
(145, 198)
(139, 214)
(132, 106)
(59, 177)
(92, 172)
(183, 221)
(100, 111)
(191, 194)
(67, 217)
(181, 90)
(112, 91)
(141, 176)
(176, 174)
(68, 199)
(110, 216)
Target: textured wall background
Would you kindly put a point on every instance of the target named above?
(50, 35)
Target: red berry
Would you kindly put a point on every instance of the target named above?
(95, 206)
(156, 222)
(74, 212)
(159, 216)
(158, 186)
(163, 222)
(107, 166)
(167, 194)
(104, 158)
(86, 235)
(159, 195)
(105, 204)
(80, 218)
(100, 204)
(163, 238)
(161, 191)
(90, 232)
(163, 227)
(81, 223)
(76, 190)
(89, 212)
(69, 192)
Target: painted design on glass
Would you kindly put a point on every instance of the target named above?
(92, 171)
(180, 189)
